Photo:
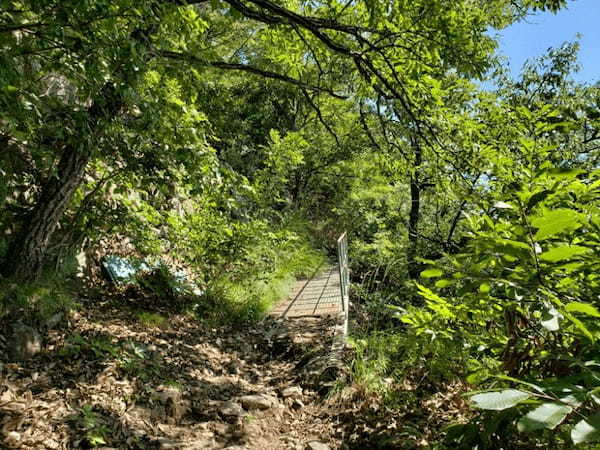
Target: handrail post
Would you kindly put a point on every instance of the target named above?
(342, 245)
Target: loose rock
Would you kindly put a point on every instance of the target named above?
(259, 401)
(234, 368)
(175, 406)
(55, 320)
(292, 391)
(166, 443)
(199, 444)
(25, 343)
(221, 428)
(231, 409)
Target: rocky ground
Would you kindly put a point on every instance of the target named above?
(127, 373)
(101, 378)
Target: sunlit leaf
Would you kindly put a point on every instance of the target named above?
(442, 283)
(563, 253)
(547, 415)
(503, 205)
(553, 222)
(580, 326)
(512, 243)
(500, 400)
(587, 430)
(431, 273)
(584, 308)
(485, 288)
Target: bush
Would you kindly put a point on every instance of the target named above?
(521, 301)
(36, 303)
(263, 275)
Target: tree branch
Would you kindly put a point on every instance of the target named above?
(320, 116)
(250, 69)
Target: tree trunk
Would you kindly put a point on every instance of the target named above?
(27, 251)
(414, 214)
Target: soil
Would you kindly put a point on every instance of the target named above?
(104, 379)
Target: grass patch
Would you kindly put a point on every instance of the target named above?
(374, 367)
(150, 319)
(36, 303)
(265, 276)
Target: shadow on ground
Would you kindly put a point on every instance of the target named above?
(105, 379)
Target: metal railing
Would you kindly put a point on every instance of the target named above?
(342, 246)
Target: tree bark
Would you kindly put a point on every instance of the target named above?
(27, 251)
(414, 214)
(449, 240)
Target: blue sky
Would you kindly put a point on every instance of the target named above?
(540, 31)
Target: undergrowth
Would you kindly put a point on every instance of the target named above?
(36, 303)
(262, 278)
(151, 319)
(374, 367)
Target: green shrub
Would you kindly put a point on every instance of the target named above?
(263, 276)
(522, 300)
(36, 303)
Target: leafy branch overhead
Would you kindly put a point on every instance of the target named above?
(216, 149)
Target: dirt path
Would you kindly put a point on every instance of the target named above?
(105, 379)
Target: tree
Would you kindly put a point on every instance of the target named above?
(91, 59)
(95, 54)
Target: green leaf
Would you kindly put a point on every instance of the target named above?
(587, 430)
(442, 283)
(537, 198)
(574, 401)
(431, 273)
(96, 439)
(584, 308)
(563, 253)
(548, 415)
(553, 222)
(564, 174)
(499, 400)
(477, 377)
(579, 324)
(512, 243)
(535, 387)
